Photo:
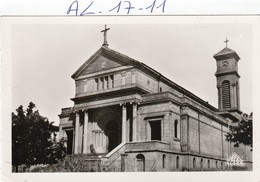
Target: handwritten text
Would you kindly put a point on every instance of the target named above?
(120, 7)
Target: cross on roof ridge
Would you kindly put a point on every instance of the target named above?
(226, 41)
(105, 43)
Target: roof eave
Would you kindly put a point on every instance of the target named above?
(76, 73)
(219, 57)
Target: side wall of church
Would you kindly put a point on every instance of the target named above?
(164, 87)
(211, 139)
(206, 136)
(194, 135)
(154, 85)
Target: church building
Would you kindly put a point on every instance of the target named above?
(129, 117)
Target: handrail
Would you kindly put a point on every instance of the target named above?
(114, 150)
(113, 155)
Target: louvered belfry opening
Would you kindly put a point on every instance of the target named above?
(226, 94)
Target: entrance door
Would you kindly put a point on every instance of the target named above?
(69, 141)
(155, 130)
(112, 130)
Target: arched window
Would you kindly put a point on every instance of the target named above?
(140, 162)
(163, 160)
(216, 164)
(194, 162)
(226, 94)
(201, 163)
(177, 162)
(208, 163)
(176, 128)
(222, 166)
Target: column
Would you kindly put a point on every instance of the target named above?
(76, 144)
(85, 137)
(123, 123)
(134, 122)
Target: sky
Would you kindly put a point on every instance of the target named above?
(45, 53)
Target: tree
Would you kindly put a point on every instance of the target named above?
(241, 133)
(31, 138)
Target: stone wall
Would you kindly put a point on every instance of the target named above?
(147, 81)
(164, 87)
(153, 112)
(205, 135)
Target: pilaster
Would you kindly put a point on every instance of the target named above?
(185, 130)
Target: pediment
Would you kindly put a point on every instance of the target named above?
(103, 59)
(101, 63)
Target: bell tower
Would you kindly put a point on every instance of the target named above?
(227, 79)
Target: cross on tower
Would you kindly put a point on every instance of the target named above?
(226, 41)
(105, 36)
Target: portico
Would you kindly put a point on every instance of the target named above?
(105, 127)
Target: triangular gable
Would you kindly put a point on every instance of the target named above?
(100, 63)
(103, 59)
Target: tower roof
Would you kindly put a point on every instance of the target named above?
(226, 53)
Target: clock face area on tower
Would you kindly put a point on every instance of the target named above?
(224, 64)
(228, 65)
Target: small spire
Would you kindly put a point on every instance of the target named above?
(226, 41)
(105, 36)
